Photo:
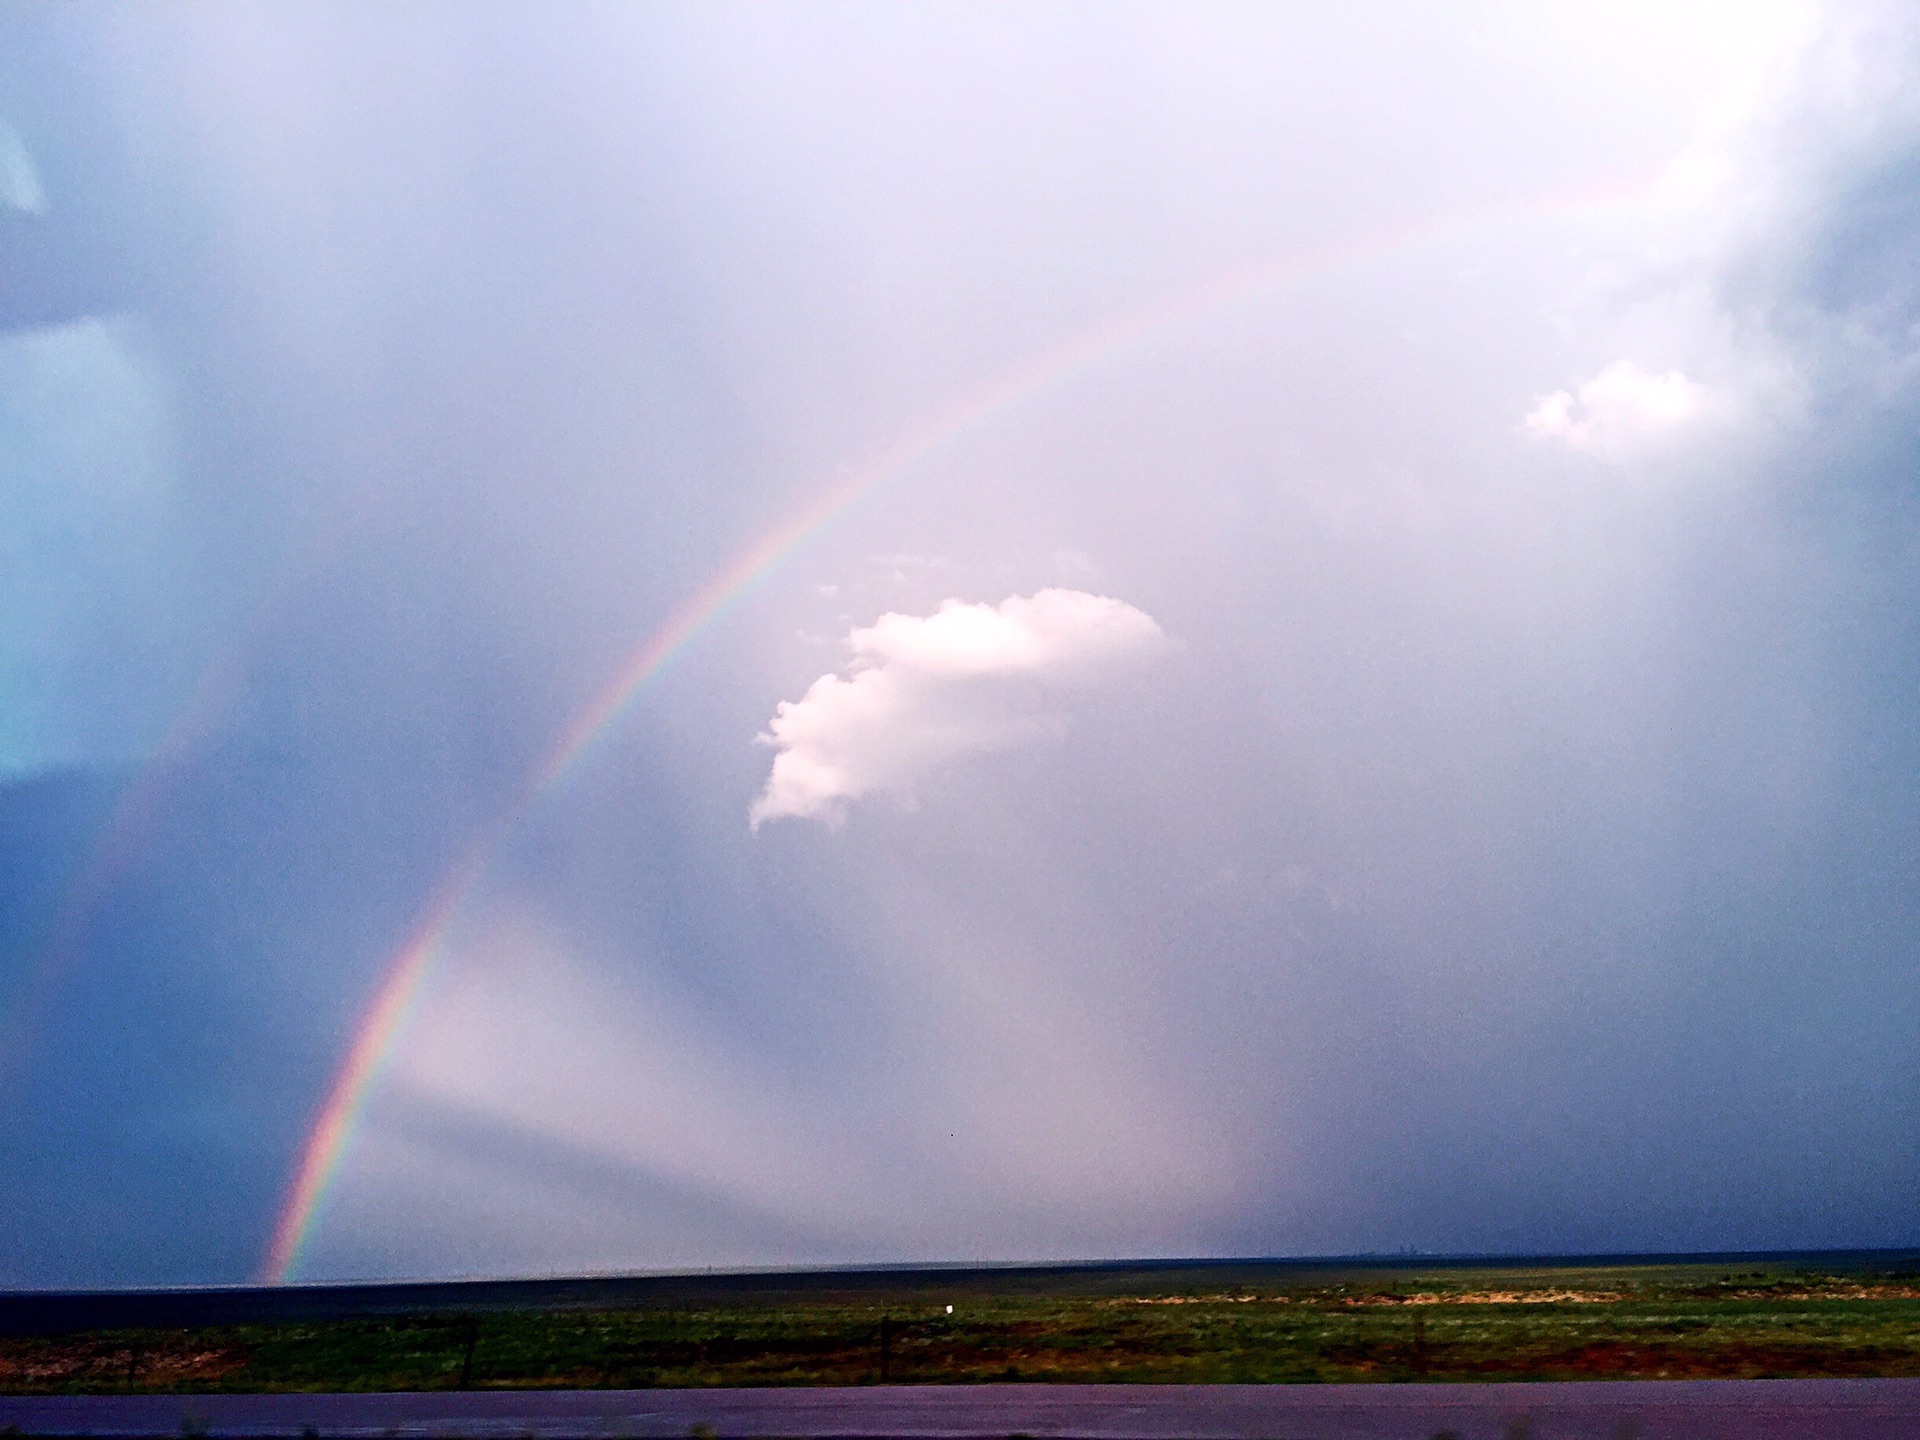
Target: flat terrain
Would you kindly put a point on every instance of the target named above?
(1236, 1323)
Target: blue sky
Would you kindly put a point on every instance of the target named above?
(1416, 747)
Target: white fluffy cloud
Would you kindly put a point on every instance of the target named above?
(1618, 411)
(925, 691)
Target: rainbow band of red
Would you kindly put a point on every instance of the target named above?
(385, 1017)
(353, 1081)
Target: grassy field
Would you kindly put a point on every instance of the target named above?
(1371, 1323)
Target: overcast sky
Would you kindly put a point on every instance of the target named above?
(1309, 628)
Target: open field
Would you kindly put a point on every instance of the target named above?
(1246, 1323)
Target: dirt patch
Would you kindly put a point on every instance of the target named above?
(1624, 1359)
(83, 1365)
(1496, 1297)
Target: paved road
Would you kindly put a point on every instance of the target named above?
(1612, 1410)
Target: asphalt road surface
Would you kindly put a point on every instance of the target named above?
(1608, 1410)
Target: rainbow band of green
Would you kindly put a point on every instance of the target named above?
(126, 834)
(386, 1015)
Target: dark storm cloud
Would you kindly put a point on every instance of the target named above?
(379, 628)
(1514, 849)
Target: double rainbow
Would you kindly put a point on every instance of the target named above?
(386, 1015)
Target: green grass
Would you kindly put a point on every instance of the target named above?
(1476, 1323)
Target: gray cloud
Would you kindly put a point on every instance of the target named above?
(1500, 860)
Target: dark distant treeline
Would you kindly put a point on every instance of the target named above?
(56, 1312)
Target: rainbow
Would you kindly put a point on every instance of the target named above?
(127, 833)
(397, 996)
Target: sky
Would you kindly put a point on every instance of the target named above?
(732, 635)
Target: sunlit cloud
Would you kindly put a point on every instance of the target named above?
(926, 691)
(1621, 410)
